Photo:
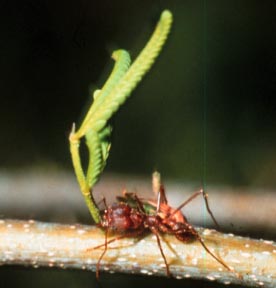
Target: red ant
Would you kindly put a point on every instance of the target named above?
(132, 217)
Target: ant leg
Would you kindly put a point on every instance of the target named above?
(101, 257)
(205, 197)
(159, 190)
(162, 252)
(212, 254)
(158, 203)
(126, 235)
(161, 198)
(139, 203)
(108, 242)
(105, 249)
(102, 201)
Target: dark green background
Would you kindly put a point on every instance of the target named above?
(54, 52)
(216, 76)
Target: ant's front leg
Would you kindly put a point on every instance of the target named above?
(205, 197)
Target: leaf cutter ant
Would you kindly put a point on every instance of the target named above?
(132, 216)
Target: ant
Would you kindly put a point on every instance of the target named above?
(132, 216)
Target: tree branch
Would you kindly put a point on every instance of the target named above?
(70, 246)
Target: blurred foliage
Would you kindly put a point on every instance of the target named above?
(53, 52)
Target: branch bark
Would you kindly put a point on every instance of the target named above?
(69, 246)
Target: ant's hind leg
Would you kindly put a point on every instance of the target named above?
(216, 257)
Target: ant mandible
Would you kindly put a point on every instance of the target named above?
(132, 216)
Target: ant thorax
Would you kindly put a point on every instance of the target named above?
(176, 216)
